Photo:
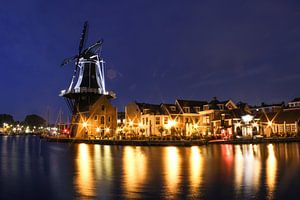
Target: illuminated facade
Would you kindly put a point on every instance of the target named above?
(284, 122)
(184, 118)
(99, 121)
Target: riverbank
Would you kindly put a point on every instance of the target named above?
(131, 142)
(173, 142)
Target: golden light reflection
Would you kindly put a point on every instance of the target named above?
(171, 168)
(135, 170)
(252, 168)
(97, 160)
(84, 181)
(247, 167)
(107, 161)
(239, 168)
(271, 170)
(196, 172)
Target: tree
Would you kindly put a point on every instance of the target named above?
(34, 120)
(6, 118)
(161, 129)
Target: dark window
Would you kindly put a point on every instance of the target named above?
(102, 107)
(96, 117)
(102, 120)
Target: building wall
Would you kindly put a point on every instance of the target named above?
(100, 120)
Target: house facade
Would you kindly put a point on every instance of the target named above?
(99, 121)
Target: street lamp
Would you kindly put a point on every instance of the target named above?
(84, 124)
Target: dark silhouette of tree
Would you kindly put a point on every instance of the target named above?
(6, 118)
(34, 120)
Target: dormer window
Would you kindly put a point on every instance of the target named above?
(172, 108)
(206, 107)
(197, 109)
(221, 106)
(186, 109)
(145, 110)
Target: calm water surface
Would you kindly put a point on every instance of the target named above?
(31, 168)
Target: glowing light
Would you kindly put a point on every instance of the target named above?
(84, 124)
(270, 123)
(247, 118)
(196, 126)
(170, 124)
(141, 125)
(107, 130)
(131, 123)
(97, 129)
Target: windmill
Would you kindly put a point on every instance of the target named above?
(88, 81)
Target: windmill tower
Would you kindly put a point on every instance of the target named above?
(87, 83)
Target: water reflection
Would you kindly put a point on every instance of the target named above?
(196, 169)
(171, 169)
(271, 170)
(135, 170)
(30, 169)
(247, 169)
(84, 180)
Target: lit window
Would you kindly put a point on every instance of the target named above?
(165, 120)
(157, 120)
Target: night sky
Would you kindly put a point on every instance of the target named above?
(155, 51)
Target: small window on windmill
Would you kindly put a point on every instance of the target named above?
(108, 119)
(102, 107)
(102, 120)
(96, 117)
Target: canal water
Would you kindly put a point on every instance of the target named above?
(31, 168)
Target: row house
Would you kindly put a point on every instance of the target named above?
(145, 119)
(295, 103)
(184, 117)
(283, 122)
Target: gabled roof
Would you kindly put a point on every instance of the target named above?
(167, 108)
(295, 100)
(192, 104)
(147, 108)
(286, 115)
(264, 105)
(214, 104)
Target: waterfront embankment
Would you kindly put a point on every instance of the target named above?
(174, 142)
